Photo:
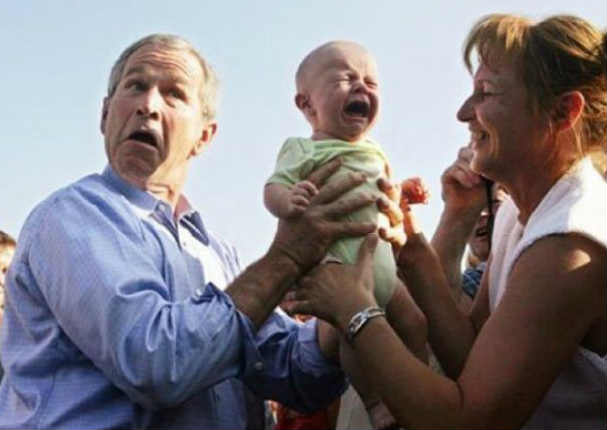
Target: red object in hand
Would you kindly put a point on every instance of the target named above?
(415, 191)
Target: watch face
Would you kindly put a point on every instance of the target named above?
(360, 319)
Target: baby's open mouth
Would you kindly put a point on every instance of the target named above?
(358, 108)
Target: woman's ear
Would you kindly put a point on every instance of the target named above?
(568, 110)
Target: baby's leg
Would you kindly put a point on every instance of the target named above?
(379, 416)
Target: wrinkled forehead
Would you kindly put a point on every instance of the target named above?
(155, 58)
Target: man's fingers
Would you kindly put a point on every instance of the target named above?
(319, 176)
(298, 200)
(348, 205)
(391, 209)
(384, 185)
(395, 236)
(389, 189)
(349, 228)
(345, 183)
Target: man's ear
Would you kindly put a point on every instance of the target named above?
(568, 109)
(208, 133)
(104, 110)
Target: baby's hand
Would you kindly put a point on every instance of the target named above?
(415, 191)
(300, 196)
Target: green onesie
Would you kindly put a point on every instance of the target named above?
(298, 157)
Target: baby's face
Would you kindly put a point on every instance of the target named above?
(343, 92)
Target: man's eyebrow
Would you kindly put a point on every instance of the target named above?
(134, 70)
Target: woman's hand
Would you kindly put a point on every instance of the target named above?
(463, 190)
(335, 292)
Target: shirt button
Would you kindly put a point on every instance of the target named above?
(258, 366)
(199, 292)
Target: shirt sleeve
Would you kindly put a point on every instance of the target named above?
(293, 163)
(286, 365)
(93, 270)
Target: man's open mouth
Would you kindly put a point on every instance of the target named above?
(147, 137)
(358, 108)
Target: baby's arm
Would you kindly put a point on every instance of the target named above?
(285, 202)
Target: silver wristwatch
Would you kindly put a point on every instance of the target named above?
(361, 318)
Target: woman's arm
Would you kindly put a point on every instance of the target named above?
(546, 311)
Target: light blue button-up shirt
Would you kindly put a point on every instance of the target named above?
(115, 318)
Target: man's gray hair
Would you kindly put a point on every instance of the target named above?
(208, 91)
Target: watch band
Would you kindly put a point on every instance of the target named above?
(359, 319)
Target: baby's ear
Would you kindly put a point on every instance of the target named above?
(301, 101)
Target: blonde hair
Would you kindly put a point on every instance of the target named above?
(559, 54)
(208, 92)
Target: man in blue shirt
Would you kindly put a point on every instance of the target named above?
(124, 311)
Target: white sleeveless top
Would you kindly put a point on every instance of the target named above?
(577, 203)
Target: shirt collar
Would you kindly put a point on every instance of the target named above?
(148, 205)
(136, 196)
(191, 219)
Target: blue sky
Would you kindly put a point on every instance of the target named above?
(57, 57)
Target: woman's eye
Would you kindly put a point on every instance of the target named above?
(177, 93)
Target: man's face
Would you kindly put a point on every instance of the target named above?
(153, 123)
(343, 92)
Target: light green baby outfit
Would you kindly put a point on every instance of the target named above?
(298, 157)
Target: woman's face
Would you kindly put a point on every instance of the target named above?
(505, 133)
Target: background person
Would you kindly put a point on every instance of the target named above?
(532, 352)
(7, 249)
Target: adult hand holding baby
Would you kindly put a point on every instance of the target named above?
(306, 238)
(335, 292)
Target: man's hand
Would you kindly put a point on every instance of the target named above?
(396, 206)
(300, 243)
(305, 239)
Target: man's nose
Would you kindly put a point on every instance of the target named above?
(149, 103)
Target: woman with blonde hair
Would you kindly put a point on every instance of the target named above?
(532, 351)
